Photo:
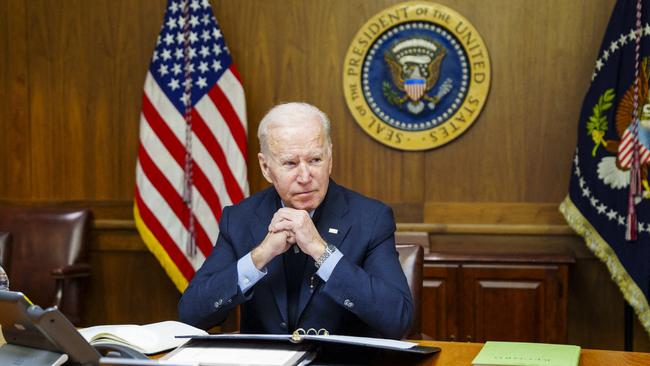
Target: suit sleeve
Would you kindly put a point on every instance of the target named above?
(377, 291)
(214, 290)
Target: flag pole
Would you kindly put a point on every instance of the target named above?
(190, 247)
(628, 327)
(635, 179)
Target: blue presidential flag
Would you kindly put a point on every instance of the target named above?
(609, 196)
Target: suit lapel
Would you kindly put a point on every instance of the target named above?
(265, 211)
(333, 228)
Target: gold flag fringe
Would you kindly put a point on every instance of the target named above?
(631, 292)
(156, 248)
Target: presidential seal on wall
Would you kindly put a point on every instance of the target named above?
(416, 76)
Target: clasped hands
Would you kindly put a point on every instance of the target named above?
(288, 227)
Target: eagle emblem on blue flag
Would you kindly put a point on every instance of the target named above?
(613, 169)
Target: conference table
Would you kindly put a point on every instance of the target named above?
(462, 354)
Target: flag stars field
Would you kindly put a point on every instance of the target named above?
(599, 207)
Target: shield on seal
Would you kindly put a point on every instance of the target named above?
(415, 88)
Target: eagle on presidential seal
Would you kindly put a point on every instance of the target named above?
(415, 69)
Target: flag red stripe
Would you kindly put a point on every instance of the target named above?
(627, 138)
(643, 154)
(162, 130)
(625, 155)
(230, 116)
(206, 189)
(163, 238)
(171, 196)
(162, 185)
(625, 149)
(202, 237)
(235, 72)
(628, 150)
(177, 151)
(213, 147)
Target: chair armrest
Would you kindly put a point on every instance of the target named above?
(71, 271)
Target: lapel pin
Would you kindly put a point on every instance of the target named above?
(333, 231)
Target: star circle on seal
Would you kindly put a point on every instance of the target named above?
(416, 76)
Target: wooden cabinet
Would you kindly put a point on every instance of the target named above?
(478, 293)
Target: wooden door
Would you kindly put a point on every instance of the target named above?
(440, 294)
(514, 303)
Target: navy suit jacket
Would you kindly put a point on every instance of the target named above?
(366, 294)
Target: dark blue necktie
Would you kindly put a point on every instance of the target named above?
(294, 266)
(294, 269)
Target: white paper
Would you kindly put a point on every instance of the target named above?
(235, 356)
(133, 362)
(375, 342)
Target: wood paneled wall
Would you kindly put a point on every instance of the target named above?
(71, 77)
(73, 71)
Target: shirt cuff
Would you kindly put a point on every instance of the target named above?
(247, 273)
(325, 270)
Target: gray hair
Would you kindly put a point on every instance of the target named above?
(293, 113)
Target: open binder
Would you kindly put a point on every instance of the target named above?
(321, 337)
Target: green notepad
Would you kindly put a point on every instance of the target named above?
(527, 354)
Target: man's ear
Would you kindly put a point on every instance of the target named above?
(330, 160)
(264, 166)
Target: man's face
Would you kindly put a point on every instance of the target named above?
(298, 163)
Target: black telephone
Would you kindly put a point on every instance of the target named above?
(25, 324)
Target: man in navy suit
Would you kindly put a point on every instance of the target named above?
(305, 253)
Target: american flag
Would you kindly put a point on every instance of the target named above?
(626, 148)
(192, 154)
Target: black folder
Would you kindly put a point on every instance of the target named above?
(361, 342)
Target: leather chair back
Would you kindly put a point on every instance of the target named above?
(411, 257)
(413, 237)
(411, 247)
(5, 247)
(45, 243)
